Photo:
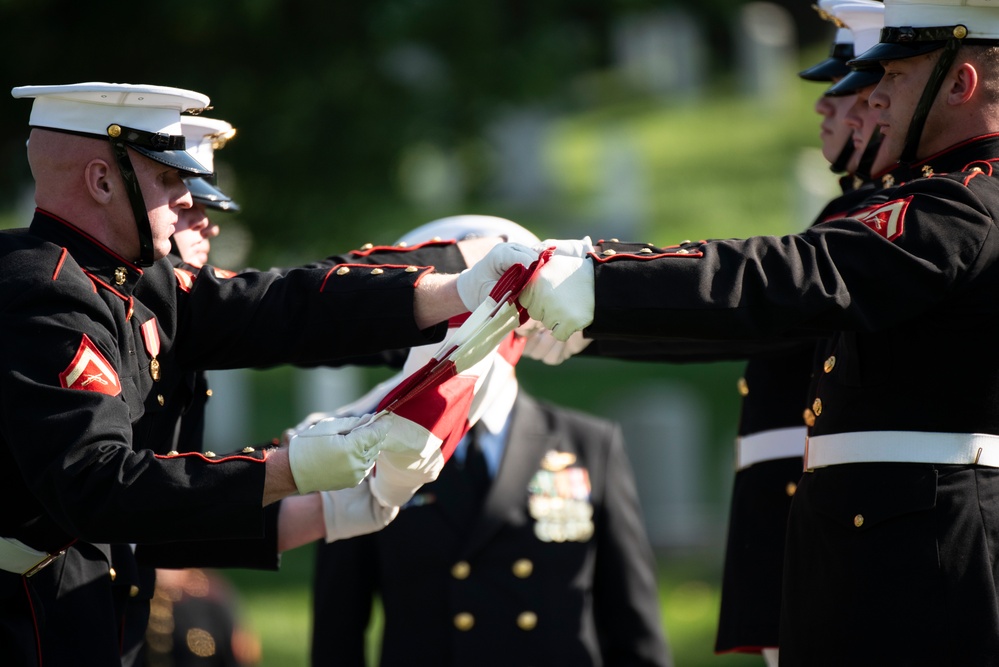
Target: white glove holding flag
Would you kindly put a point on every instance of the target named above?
(475, 283)
(352, 512)
(561, 295)
(568, 247)
(336, 453)
(544, 347)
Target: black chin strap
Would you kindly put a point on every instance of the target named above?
(870, 153)
(910, 151)
(120, 148)
(839, 164)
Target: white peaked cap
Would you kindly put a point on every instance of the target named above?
(460, 227)
(92, 107)
(864, 19)
(843, 34)
(204, 136)
(980, 17)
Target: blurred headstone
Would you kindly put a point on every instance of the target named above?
(661, 53)
(664, 431)
(623, 197)
(325, 389)
(517, 139)
(765, 49)
(227, 416)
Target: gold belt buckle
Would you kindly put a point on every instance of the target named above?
(42, 564)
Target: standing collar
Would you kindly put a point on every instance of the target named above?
(100, 262)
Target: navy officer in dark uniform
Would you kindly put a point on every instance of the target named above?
(528, 549)
(889, 555)
(87, 420)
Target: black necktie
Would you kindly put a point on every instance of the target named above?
(476, 469)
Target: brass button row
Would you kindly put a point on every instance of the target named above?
(344, 270)
(522, 568)
(526, 621)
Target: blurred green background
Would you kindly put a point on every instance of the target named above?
(655, 121)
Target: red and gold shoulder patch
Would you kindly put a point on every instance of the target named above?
(185, 279)
(887, 219)
(90, 371)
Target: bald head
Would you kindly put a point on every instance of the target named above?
(59, 164)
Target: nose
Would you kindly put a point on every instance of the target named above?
(879, 98)
(823, 106)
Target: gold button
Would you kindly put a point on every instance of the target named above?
(461, 570)
(114, 130)
(208, 392)
(790, 488)
(960, 32)
(402, 244)
(527, 620)
(829, 364)
(522, 568)
(411, 269)
(133, 591)
(976, 169)
(120, 275)
(888, 181)
(743, 387)
(248, 450)
(209, 454)
(342, 271)
(173, 452)
(377, 272)
(817, 407)
(858, 520)
(436, 238)
(809, 417)
(464, 621)
(367, 246)
(682, 251)
(160, 399)
(684, 241)
(615, 240)
(645, 251)
(609, 252)
(113, 574)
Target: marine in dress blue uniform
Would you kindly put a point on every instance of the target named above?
(88, 421)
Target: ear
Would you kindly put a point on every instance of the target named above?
(963, 84)
(97, 177)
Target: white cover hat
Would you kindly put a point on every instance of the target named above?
(914, 27)
(205, 136)
(152, 113)
(459, 227)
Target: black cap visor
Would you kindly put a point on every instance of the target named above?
(829, 69)
(210, 196)
(179, 159)
(854, 82)
(872, 57)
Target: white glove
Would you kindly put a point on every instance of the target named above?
(475, 282)
(352, 512)
(569, 247)
(561, 295)
(544, 347)
(408, 460)
(335, 453)
(309, 420)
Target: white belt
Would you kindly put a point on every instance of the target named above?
(19, 558)
(780, 443)
(902, 447)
